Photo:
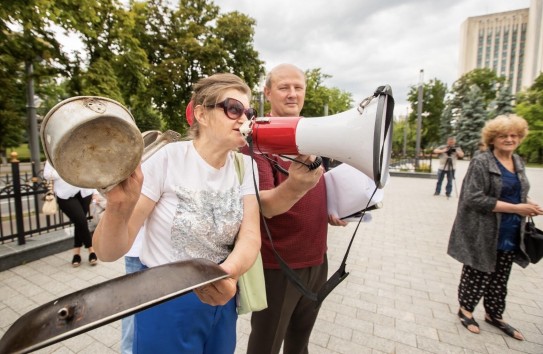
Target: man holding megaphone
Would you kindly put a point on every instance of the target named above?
(293, 200)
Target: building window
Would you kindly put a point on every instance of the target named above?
(496, 51)
(480, 46)
(488, 52)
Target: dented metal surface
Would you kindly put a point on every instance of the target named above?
(106, 302)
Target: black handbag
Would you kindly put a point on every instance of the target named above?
(533, 241)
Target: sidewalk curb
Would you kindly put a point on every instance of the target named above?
(414, 174)
(13, 255)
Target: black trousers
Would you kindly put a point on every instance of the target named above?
(290, 316)
(77, 208)
(491, 286)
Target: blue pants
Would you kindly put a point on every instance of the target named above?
(450, 176)
(132, 264)
(186, 325)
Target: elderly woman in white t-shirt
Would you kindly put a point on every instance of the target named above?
(74, 202)
(191, 203)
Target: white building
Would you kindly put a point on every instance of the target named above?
(510, 43)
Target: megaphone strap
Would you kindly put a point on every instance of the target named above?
(293, 277)
(311, 166)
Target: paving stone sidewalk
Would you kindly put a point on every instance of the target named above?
(400, 296)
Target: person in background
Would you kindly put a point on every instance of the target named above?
(448, 155)
(132, 264)
(75, 203)
(489, 225)
(296, 213)
(481, 147)
(191, 204)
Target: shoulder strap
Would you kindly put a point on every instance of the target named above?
(239, 165)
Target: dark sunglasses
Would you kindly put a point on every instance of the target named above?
(234, 109)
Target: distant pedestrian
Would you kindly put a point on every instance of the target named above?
(448, 155)
(489, 225)
(132, 264)
(75, 203)
(481, 147)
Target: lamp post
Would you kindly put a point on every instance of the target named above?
(419, 117)
(33, 141)
(406, 121)
(261, 84)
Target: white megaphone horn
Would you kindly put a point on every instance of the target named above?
(360, 137)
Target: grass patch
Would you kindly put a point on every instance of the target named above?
(23, 153)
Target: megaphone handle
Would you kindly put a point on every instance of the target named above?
(311, 166)
(315, 164)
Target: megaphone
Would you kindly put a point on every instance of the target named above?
(360, 137)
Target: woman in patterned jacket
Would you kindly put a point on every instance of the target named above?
(489, 226)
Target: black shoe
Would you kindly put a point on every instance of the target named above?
(436, 193)
(504, 327)
(466, 321)
(76, 260)
(92, 258)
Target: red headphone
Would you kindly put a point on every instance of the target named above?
(189, 112)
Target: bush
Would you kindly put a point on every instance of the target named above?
(424, 167)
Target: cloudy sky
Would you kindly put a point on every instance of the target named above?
(363, 44)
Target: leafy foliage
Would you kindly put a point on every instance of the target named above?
(318, 95)
(144, 54)
(530, 107)
(474, 98)
(487, 81)
(25, 39)
(433, 95)
(12, 103)
(472, 120)
(503, 103)
(445, 127)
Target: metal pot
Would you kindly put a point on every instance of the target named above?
(92, 142)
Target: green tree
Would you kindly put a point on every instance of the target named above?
(113, 63)
(399, 133)
(503, 104)
(446, 122)
(461, 97)
(485, 79)
(473, 119)
(196, 42)
(105, 30)
(144, 54)
(149, 31)
(318, 95)
(12, 103)
(26, 40)
(433, 96)
(530, 107)
(236, 32)
(100, 80)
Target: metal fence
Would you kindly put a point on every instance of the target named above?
(21, 199)
(411, 164)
